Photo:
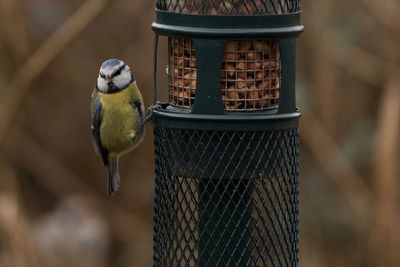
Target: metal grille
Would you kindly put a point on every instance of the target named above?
(226, 198)
(250, 78)
(230, 7)
(251, 75)
(182, 72)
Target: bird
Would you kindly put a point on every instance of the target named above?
(117, 117)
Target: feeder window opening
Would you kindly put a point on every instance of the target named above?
(250, 75)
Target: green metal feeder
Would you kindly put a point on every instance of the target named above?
(226, 141)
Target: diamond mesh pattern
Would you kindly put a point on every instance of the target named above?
(230, 7)
(226, 198)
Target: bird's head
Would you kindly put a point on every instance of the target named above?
(114, 76)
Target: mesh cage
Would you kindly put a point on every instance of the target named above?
(226, 198)
(230, 7)
(250, 76)
(182, 73)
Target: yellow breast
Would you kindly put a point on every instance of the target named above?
(119, 121)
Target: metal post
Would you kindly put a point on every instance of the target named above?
(225, 229)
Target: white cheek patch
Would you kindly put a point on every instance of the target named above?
(101, 84)
(122, 80)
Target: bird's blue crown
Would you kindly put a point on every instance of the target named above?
(111, 63)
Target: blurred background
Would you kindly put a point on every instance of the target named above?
(53, 206)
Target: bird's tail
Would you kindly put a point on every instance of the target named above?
(113, 177)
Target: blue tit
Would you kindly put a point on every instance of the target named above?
(118, 117)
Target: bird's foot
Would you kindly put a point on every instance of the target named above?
(150, 112)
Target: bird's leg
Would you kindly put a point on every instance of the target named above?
(150, 110)
(149, 113)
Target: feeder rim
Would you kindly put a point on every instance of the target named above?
(227, 33)
(242, 122)
(208, 26)
(229, 115)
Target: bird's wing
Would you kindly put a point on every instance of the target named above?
(137, 104)
(96, 109)
(138, 110)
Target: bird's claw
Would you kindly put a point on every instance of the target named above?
(150, 110)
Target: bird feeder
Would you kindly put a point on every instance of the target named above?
(226, 141)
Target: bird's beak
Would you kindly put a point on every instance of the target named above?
(108, 80)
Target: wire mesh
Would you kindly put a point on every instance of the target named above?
(182, 72)
(250, 77)
(226, 198)
(230, 7)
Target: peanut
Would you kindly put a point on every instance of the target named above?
(240, 65)
(180, 62)
(240, 83)
(231, 46)
(253, 56)
(193, 79)
(256, 65)
(261, 46)
(269, 64)
(186, 79)
(230, 56)
(277, 83)
(183, 96)
(193, 62)
(214, 11)
(259, 75)
(188, 45)
(233, 95)
(241, 75)
(252, 98)
(178, 50)
(244, 46)
(230, 68)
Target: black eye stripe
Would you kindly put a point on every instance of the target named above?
(118, 71)
(102, 75)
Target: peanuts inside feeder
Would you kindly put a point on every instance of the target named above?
(250, 74)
